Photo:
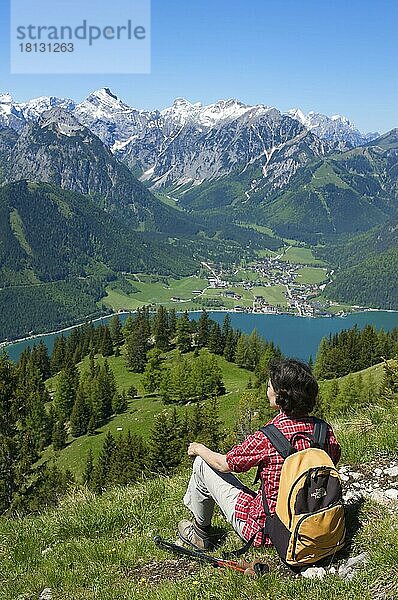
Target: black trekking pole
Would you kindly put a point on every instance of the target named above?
(242, 566)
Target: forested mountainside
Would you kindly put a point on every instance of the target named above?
(50, 233)
(366, 267)
(348, 192)
(59, 250)
(59, 150)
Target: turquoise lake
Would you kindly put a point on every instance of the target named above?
(297, 336)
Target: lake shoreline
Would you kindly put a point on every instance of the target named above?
(5, 343)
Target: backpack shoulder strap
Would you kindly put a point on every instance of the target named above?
(278, 440)
(320, 433)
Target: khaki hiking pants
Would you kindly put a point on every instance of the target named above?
(208, 487)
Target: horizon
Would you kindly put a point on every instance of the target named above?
(325, 57)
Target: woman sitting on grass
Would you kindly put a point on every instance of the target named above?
(292, 390)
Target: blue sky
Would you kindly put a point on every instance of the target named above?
(331, 56)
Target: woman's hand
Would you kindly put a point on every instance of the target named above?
(193, 449)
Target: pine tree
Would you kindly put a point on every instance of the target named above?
(81, 414)
(58, 355)
(183, 339)
(164, 444)
(92, 424)
(257, 349)
(115, 330)
(119, 402)
(243, 354)
(348, 397)
(106, 347)
(226, 329)
(262, 369)
(160, 329)
(153, 371)
(41, 360)
(165, 389)
(203, 330)
(137, 347)
(212, 435)
(132, 392)
(104, 387)
(389, 387)
(65, 391)
(215, 342)
(172, 323)
(230, 346)
(59, 435)
(128, 327)
(101, 475)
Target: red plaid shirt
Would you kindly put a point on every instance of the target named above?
(257, 449)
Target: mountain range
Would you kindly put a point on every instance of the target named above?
(188, 177)
(223, 157)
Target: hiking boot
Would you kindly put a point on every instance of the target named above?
(193, 535)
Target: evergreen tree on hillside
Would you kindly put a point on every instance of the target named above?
(59, 435)
(226, 328)
(41, 360)
(153, 371)
(231, 341)
(24, 359)
(349, 396)
(137, 347)
(206, 376)
(203, 330)
(165, 388)
(165, 450)
(58, 355)
(215, 341)
(115, 330)
(81, 413)
(129, 460)
(197, 422)
(128, 327)
(106, 346)
(389, 387)
(65, 391)
(243, 356)
(38, 421)
(105, 388)
(183, 338)
(101, 475)
(271, 352)
(212, 435)
(181, 388)
(119, 402)
(160, 329)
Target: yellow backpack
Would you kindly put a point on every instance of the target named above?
(309, 523)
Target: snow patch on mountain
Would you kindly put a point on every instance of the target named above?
(336, 128)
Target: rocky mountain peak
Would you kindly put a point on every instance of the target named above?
(59, 116)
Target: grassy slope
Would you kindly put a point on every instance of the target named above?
(97, 548)
(101, 547)
(141, 412)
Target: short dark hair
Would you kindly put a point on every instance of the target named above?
(295, 386)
